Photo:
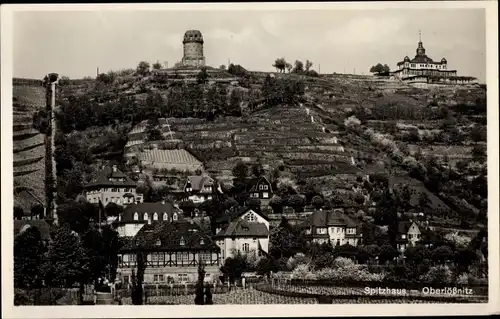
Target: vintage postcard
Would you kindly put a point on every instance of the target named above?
(251, 159)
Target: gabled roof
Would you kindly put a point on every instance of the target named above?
(198, 182)
(169, 156)
(404, 226)
(169, 236)
(252, 183)
(326, 218)
(236, 212)
(43, 227)
(105, 175)
(150, 208)
(243, 228)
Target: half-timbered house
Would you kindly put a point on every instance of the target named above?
(173, 252)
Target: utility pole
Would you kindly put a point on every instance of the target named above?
(319, 68)
(97, 71)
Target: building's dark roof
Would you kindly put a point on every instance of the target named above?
(43, 227)
(149, 208)
(164, 236)
(236, 212)
(105, 176)
(326, 218)
(198, 182)
(243, 228)
(404, 226)
(252, 183)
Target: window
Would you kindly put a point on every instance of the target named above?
(125, 279)
(202, 242)
(265, 195)
(165, 216)
(206, 256)
(145, 216)
(136, 216)
(158, 243)
(266, 187)
(246, 247)
(403, 236)
(321, 230)
(255, 239)
(250, 217)
(160, 277)
(175, 216)
(156, 278)
(182, 242)
(155, 216)
(261, 187)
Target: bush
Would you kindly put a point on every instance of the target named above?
(438, 274)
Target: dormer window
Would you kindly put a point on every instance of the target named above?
(136, 216)
(202, 242)
(146, 216)
(250, 217)
(175, 216)
(158, 242)
(182, 242)
(165, 216)
(155, 216)
(403, 236)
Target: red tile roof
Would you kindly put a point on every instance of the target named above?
(243, 228)
(105, 176)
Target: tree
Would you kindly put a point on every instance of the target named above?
(240, 171)
(289, 67)
(234, 103)
(202, 76)
(143, 68)
(254, 203)
(276, 203)
(387, 253)
(208, 296)
(442, 254)
(37, 212)
(199, 294)
(299, 67)
(29, 259)
(286, 241)
(478, 152)
(157, 66)
(68, 263)
(346, 250)
(280, 64)
(309, 64)
(222, 67)
(18, 213)
(478, 133)
(317, 201)
(379, 68)
(234, 266)
(257, 170)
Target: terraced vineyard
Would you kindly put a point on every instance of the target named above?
(28, 146)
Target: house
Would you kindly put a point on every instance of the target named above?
(325, 226)
(245, 231)
(199, 188)
(408, 234)
(22, 225)
(260, 188)
(173, 251)
(135, 216)
(112, 186)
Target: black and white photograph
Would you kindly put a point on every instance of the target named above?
(245, 154)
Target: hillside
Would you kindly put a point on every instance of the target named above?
(28, 146)
(326, 131)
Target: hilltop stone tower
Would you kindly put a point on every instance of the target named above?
(193, 49)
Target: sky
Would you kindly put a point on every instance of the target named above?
(75, 43)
